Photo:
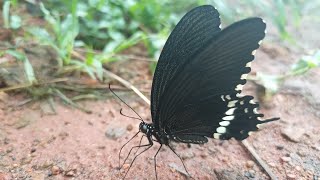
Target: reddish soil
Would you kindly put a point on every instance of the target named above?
(74, 144)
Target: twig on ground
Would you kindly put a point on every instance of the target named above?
(127, 84)
(256, 156)
(122, 56)
(27, 85)
(118, 78)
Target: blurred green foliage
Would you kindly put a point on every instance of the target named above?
(10, 21)
(272, 83)
(114, 25)
(29, 73)
(111, 26)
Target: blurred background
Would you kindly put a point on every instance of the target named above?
(83, 36)
(69, 51)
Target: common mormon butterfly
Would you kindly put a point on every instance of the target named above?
(198, 80)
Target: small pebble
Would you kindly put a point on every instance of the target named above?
(212, 150)
(101, 147)
(279, 147)
(126, 166)
(285, 159)
(272, 164)
(301, 153)
(15, 165)
(249, 174)
(249, 164)
(187, 155)
(292, 133)
(55, 170)
(203, 155)
(9, 150)
(115, 132)
(129, 127)
(298, 168)
(71, 173)
(291, 176)
(33, 150)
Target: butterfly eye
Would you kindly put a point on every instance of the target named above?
(143, 128)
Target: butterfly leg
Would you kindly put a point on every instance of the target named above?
(125, 145)
(139, 144)
(138, 147)
(148, 147)
(180, 160)
(155, 161)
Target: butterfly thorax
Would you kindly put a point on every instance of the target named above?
(150, 131)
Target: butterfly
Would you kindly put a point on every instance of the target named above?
(198, 80)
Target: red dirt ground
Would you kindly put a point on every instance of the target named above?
(73, 145)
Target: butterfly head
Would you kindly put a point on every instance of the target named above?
(144, 127)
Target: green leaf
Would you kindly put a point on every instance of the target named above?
(29, 71)
(6, 14)
(133, 40)
(270, 82)
(18, 55)
(27, 65)
(305, 64)
(15, 22)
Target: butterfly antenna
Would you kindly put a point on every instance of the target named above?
(125, 104)
(129, 116)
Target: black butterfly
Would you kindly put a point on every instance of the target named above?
(197, 83)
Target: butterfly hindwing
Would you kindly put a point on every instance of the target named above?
(194, 30)
(235, 116)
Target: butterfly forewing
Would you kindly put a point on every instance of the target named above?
(194, 30)
(213, 71)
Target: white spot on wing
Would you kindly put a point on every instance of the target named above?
(239, 87)
(255, 111)
(254, 52)
(232, 103)
(228, 97)
(216, 135)
(246, 110)
(244, 76)
(230, 111)
(222, 97)
(224, 123)
(249, 133)
(221, 130)
(252, 102)
(248, 64)
(241, 102)
(239, 95)
(228, 118)
(260, 42)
